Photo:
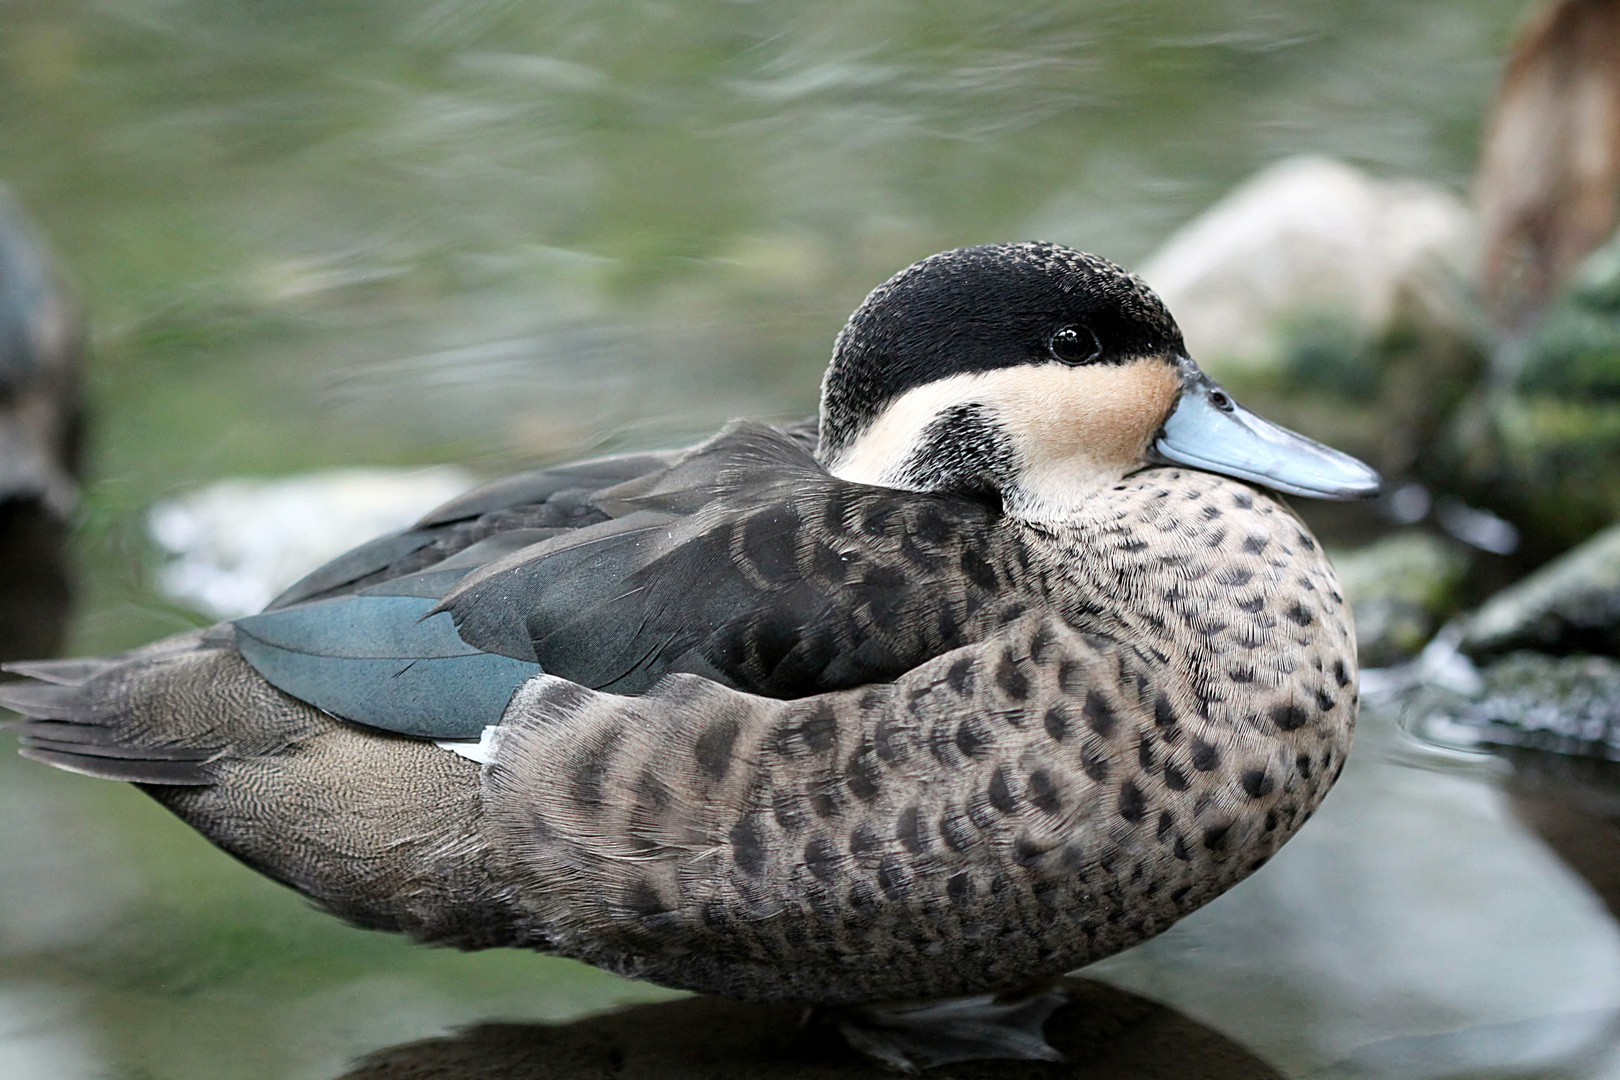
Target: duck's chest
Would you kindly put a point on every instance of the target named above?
(1233, 614)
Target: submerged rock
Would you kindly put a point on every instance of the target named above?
(1401, 588)
(1568, 704)
(1570, 605)
(238, 543)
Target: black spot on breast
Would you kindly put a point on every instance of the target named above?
(1099, 714)
(1144, 753)
(1027, 852)
(713, 750)
(1271, 820)
(891, 741)
(1166, 822)
(1252, 605)
(1013, 682)
(1094, 763)
(956, 830)
(1211, 512)
(1163, 714)
(789, 810)
(1255, 544)
(980, 812)
(1000, 791)
(862, 902)
(770, 543)
(1071, 677)
(978, 571)
(642, 899)
(591, 766)
(1300, 614)
(1215, 539)
(1132, 803)
(865, 775)
(1324, 701)
(1340, 675)
(748, 846)
(1205, 757)
(863, 841)
(1174, 778)
(959, 887)
(876, 514)
(826, 802)
(1290, 716)
(1179, 848)
(821, 858)
(1303, 764)
(814, 733)
(1044, 793)
(1257, 783)
(1242, 499)
(972, 738)
(1041, 644)
(893, 878)
(1215, 837)
(827, 564)
(1241, 674)
(1234, 577)
(908, 829)
(960, 676)
(715, 915)
(1057, 722)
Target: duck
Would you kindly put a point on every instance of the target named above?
(1003, 663)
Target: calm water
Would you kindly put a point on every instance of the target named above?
(499, 232)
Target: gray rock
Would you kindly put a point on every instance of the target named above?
(1570, 605)
(1400, 588)
(1306, 246)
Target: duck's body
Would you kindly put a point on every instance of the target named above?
(766, 723)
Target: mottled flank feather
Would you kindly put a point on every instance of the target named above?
(1014, 808)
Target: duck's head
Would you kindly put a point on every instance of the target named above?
(1035, 374)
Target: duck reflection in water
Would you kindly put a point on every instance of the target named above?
(1104, 1033)
(40, 422)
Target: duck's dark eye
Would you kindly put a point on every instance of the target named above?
(1221, 401)
(1075, 345)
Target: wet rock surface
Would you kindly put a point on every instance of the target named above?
(1571, 604)
(1566, 704)
(1104, 1032)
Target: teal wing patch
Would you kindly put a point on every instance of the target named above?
(383, 661)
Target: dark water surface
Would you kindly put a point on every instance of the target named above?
(500, 232)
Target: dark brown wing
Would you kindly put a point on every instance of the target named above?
(747, 563)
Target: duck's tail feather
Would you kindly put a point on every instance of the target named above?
(75, 714)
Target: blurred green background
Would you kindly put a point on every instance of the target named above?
(501, 232)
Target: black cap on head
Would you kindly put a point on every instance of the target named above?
(982, 308)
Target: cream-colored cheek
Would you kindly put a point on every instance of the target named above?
(1099, 417)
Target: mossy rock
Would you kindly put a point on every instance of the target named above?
(1400, 590)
